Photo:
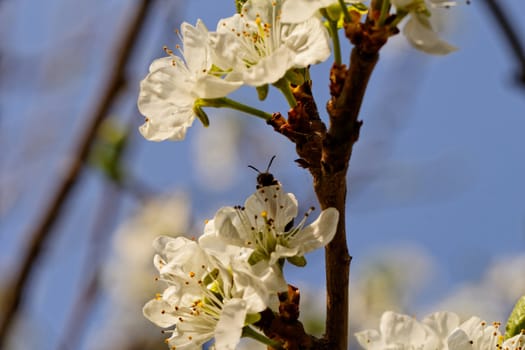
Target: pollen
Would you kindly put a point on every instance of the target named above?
(264, 214)
(158, 296)
(192, 274)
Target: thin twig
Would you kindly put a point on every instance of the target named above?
(105, 220)
(511, 36)
(70, 176)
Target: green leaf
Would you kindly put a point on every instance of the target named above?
(108, 149)
(516, 321)
(297, 260)
(262, 91)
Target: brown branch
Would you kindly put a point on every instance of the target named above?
(326, 154)
(100, 235)
(510, 35)
(69, 178)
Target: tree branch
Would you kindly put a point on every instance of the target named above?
(69, 178)
(326, 154)
(511, 36)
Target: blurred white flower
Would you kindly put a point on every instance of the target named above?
(439, 331)
(263, 225)
(260, 49)
(169, 92)
(475, 334)
(206, 297)
(127, 273)
(219, 141)
(491, 296)
(418, 29)
(295, 11)
(390, 279)
(127, 276)
(403, 332)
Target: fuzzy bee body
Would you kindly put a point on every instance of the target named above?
(265, 178)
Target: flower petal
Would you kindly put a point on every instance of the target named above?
(420, 34)
(318, 234)
(229, 328)
(295, 11)
(157, 311)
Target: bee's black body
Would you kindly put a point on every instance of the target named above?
(266, 178)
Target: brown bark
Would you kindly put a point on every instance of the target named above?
(326, 154)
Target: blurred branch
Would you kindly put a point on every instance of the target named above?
(510, 35)
(105, 220)
(70, 176)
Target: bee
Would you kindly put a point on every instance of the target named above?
(265, 178)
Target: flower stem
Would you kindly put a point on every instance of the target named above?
(345, 11)
(284, 86)
(335, 37)
(399, 17)
(238, 106)
(251, 333)
(385, 10)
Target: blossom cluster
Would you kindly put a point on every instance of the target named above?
(253, 47)
(438, 331)
(218, 285)
(269, 42)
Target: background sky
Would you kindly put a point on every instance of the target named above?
(439, 166)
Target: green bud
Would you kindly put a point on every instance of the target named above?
(516, 321)
(297, 76)
(334, 12)
(252, 318)
(299, 261)
(239, 4)
(108, 150)
(262, 92)
(256, 256)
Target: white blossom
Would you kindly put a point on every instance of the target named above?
(168, 93)
(475, 334)
(439, 331)
(261, 224)
(295, 11)
(517, 342)
(260, 49)
(418, 29)
(403, 332)
(206, 298)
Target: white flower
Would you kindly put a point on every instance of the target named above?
(260, 49)
(475, 334)
(262, 225)
(126, 274)
(205, 298)
(403, 332)
(173, 85)
(418, 29)
(439, 331)
(515, 343)
(295, 11)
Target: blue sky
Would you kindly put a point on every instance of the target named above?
(439, 165)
